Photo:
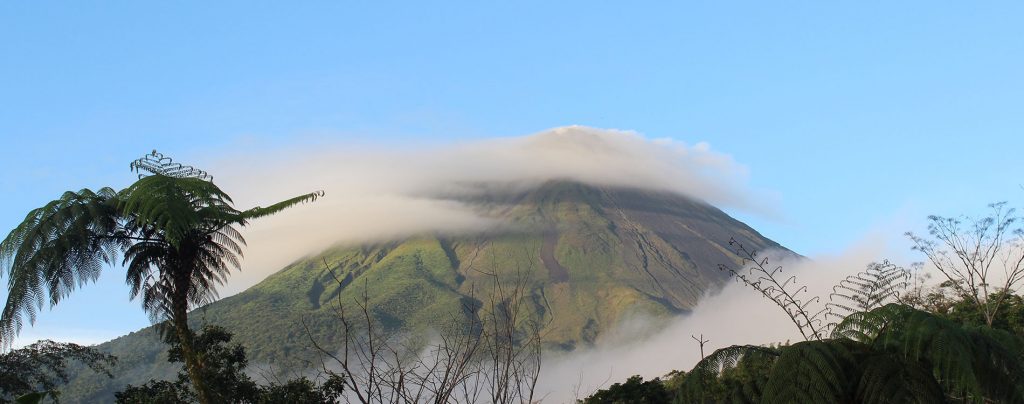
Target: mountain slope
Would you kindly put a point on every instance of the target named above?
(593, 255)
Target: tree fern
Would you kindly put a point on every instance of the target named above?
(734, 373)
(889, 354)
(174, 228)
(969, 362)
(812, 372)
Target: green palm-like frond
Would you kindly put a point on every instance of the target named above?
(892, 354)
(971, 363)
(887, 378)
(704, 384)
(866, 326)
(812, 372)
(57, 248)
(176, 207)
(259, 212)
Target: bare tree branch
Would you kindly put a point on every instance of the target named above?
(982, 258)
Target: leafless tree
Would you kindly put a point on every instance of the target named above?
(491, 352)
(512, 341)
(982, 258)
(700, 342)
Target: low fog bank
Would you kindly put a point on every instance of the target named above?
(735, 315)
(382, 194)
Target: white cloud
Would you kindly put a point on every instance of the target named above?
(387, 193)
(736, 315)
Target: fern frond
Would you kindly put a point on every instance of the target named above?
(877, 285)
(697, 386)
(176, 206)
(887, 378)
(811, 372)
(58, 247)
(974, 362)
(259, 212)
(158, 164)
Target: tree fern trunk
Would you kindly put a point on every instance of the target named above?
(193, 362)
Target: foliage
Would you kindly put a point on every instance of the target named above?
(634, 391)
(59, 246)
(157, 392)
(35, 371)
(1010, 317)
(878, 351)
(890, 354)
(981, 258)
(733, 374)
(302, 390)
(226, 379)
(943, 301)
(223, 364)
(36, 397)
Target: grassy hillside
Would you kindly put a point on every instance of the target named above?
(592, 256)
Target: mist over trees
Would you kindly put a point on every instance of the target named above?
(895, 338)
(491, 351)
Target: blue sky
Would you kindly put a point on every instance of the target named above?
(858, 115)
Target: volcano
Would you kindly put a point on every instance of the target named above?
(592, 255)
